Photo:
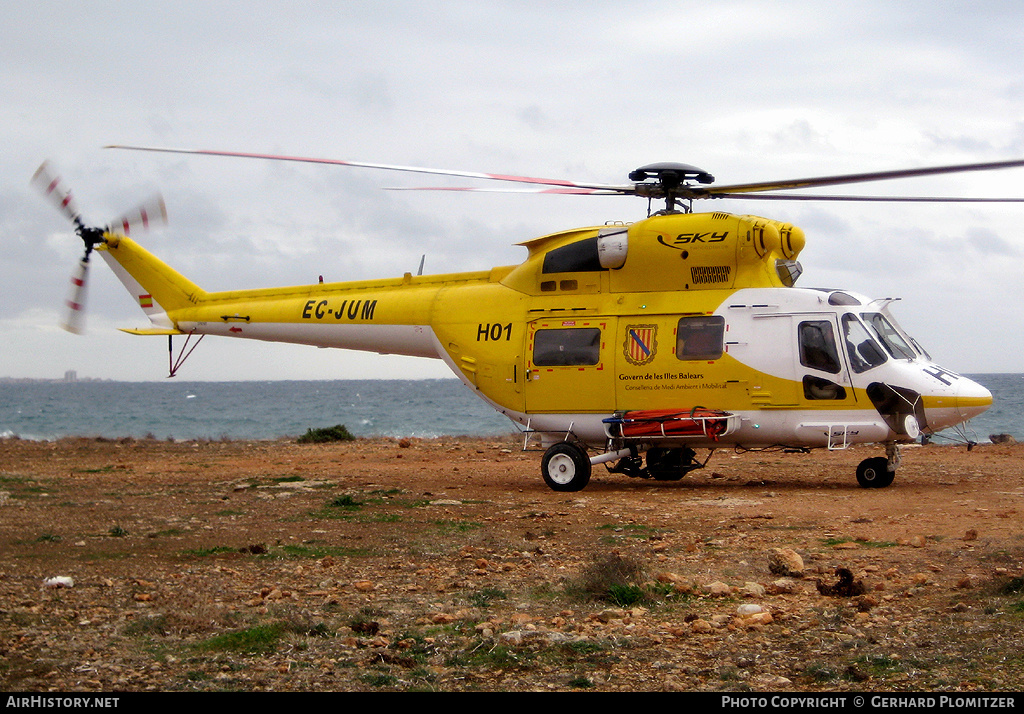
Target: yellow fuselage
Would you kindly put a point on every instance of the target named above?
(672, 312)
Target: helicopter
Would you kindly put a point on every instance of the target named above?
(630, 345)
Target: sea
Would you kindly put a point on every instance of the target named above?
(429, 408)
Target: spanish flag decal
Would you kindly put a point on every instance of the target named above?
(145, 301)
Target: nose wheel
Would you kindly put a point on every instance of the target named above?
(875, 473)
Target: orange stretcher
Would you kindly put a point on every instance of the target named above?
(664, 423)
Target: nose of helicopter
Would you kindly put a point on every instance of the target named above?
(956, 401)
(971, 398)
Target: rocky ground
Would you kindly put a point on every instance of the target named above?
(448, 565)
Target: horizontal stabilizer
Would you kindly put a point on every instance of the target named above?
(150, 331)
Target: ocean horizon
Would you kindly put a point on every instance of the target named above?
(271, 409)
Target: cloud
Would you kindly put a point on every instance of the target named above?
(746, 90)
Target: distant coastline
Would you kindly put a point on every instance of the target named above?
(71, 377)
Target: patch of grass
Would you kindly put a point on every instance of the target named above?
(833, 542)
(626, 595)
(879, 665)
(148, 627)
(306, 626)
(379, 679)
(485, 597)
(261, 639)
(327, 434)
(634, 528)
(289, 479)
(381, 518)
(821, 672)
(49, 538)
(418, 503)
(347, 502)
(617, 531)
(310, 551)
(365, 622)
(666, 591)
(580, 683)
(452, 527)
(207, 552)
(611, 578)
(586, 648)
(500, 657)
(117, 532)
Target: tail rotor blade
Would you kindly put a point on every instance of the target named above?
(75, 321)
(149, 214)
(53, 188)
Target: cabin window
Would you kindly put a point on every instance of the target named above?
(818, 346)
(888, 336)
(864, 352)
(579, 257)
(567, 347)
(700, 338)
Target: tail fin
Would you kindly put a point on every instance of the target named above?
(157, 288)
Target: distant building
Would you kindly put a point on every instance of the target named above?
(71, 376)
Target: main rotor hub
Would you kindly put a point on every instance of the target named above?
(667, 171)
(669, 181)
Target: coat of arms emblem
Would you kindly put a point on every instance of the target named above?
(641, 344)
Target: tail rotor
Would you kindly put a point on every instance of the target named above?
(143, 217)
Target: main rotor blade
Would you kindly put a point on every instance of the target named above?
(366, 165)
(562, 191)
(880, 199)
(852, 178)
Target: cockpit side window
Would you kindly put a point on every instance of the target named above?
(894, 343)
(864, 352)
(818, 346)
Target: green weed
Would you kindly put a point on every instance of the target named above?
(347, 502)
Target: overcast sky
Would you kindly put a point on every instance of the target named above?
(749, 91)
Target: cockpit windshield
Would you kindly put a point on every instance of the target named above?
(887, 334)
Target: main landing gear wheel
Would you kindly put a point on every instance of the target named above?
(875, 473)
(665, 464)
(565, 467)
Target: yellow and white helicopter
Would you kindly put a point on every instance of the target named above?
(637, 343)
